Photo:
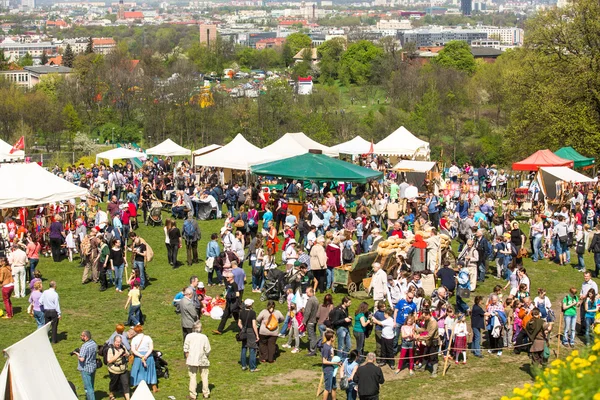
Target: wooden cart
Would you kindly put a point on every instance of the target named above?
(352, 277)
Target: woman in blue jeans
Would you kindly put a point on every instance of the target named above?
(477, 324)
(348, 370)
(569, 307)
(591, 307)
(117, 263)
(247, 325)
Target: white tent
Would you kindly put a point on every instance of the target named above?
(403, 143)
(5, 155)
(32, 372)
(548, 176)
(294, 144)
(142, 392)
(414, 166)
(205, 150)
(28, 184)
(168, 148)
(120, 153)
(355, 146)
(238, 154)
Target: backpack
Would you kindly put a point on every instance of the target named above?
(189, 231)
(104, 352)
(463, 278)
(272, 323)
(252, 218)
(580, 248)
(347, 254)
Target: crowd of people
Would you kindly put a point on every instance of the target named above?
(413, 323)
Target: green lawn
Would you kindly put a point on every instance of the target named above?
(293, 376)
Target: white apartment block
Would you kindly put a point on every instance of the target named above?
(14, 51)
(511, 36)
(394, 24)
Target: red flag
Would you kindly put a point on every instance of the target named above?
(20, 145)
(371, 150)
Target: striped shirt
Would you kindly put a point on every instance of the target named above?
(88, 352)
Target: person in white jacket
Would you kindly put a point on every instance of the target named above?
(378, 283)
(197, 349)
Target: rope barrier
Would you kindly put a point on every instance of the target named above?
(451, 348)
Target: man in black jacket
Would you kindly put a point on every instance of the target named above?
(368, 377)
(340, 322)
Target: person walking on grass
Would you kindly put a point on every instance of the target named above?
(87, 363)
(233, 300)
(51, 304)
(329, 366)
(191, 235)
(188, 311)
(196, 348)
(249, 336)
(7, 283)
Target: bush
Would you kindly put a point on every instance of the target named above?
(574, 378)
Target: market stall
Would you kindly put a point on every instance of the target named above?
(120, 153)
(168, 148)
(417, 172)
(239, 154)
(204, 150)
(579, 161)
(402, 143)
(555, 181)
(541, 158)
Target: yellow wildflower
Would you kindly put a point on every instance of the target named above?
(597, 396)
(592, 358)
(544, 394)
(575, 353)
(568, 391)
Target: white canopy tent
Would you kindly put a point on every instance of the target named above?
(32, 372)
(168, 148)
(402, 143)
(28, 184)
(549, 176)
(417, 171)
(142, 392)
(5, 155)
(294, 144)
(238, 154)
(120, 153)
(356, 146)
(205, 150)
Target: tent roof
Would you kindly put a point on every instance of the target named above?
(401, 143)
(120, 153)
(357, 145)
(29, 185)
(414, 166)
(206, 149)
(237, 154)
(569, 153)
(566, 174)
(5, 155)
(32, 367)
(142, 392)
(294, 144)
(312, 166)
(168, 148)
(541, 158)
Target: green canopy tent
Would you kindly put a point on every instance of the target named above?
(579, 161)
(318, 167)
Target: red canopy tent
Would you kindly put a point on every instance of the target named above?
(541, 158)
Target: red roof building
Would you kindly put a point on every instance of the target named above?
(133, 15)
(270, 43)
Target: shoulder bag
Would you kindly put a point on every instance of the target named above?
(272, 323)
(242, 335)
(131, 356)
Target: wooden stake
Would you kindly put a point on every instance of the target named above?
(448, 355)
(560, 321)
(319, 391)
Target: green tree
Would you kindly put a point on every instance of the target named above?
(456, 54)
(26, 60)
(44, 59)
(357, 62)
(293, 44)
(89, 49)
(68, 57)
(3, 62)
(330, 53)
(72, 123)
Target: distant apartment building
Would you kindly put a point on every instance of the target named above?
(439, 36)
(60, 24)
(466, 6)
(28, 77)
(250, 39)
(507, 36)
(208, 34)
(14, 51)
(104, 45)
(27, 5)
(394, 24)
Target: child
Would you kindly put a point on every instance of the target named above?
(70, 243)
(379, 316)
(419, 296)
(359, 232)
(508, 327)
(460, 338)
(290, 296)
(449, 323)
(387, 338)
(407, 333)
(293, 332)
(134, 304)
(522, 293)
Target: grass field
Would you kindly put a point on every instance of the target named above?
(292, 376)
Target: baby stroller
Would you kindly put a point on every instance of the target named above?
(162, 371)
(274, 284)
(155, 214)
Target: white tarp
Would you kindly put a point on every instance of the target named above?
(414, 166)
(294, 144)
(207, 149)
(548, 176)
(28, 184)
(5, 155)
(403, 143)
(120, 153)
(32, 372)
(238, 154)
(142, 392)
(356, 146)
(168, 148)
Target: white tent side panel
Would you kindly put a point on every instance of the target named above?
(548, 176)
(34, 371)
(30, 185)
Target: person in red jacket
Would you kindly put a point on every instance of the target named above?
(334, 259)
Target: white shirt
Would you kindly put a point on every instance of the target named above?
(586, 286)
(141, 343)
(387, 331)
(545, 301)
(411, 192)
